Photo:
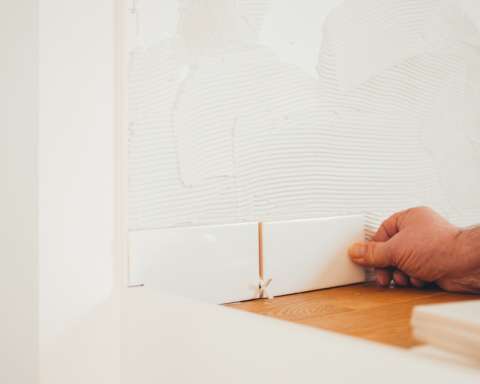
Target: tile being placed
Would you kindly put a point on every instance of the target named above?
(305, 255)
(217, 264)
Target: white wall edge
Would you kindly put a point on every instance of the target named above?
(121, 144)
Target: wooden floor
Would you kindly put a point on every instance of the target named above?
(364, 310)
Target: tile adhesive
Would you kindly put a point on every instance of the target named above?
(224, 129)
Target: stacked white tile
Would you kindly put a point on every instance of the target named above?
(453, 327)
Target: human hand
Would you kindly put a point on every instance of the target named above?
(418, 246)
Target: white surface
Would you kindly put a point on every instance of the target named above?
(454, 327)
(18, 193)
(220, 264)
(294, 36)
(304, 255)
(217, 264)
(229, 125)
(76, 193)
(171, 340)
(365, 47)
(440, 356)
(463, 314)
(450, 338)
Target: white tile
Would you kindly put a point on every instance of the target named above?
(451, 314)
(454, 327)
(217, 264)
(304, 255)
(443, 357)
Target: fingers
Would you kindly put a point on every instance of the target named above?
(383, 276)
(417, 282)
(371, 254)
(388, 228)
(400, 278)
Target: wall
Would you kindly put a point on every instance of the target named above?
(60, 314)
(18, 193)
(79, 336)
(244, 110)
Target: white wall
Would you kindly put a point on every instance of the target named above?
(250, 110)
(76, 204)
(57, 193)
(271, 110)
(18, 192)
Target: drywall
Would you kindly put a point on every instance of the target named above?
(229, 125)
(59, 319)
(18, 193)
(78, 311)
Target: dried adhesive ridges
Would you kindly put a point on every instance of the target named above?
(235, 134)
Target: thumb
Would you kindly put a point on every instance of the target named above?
(371, 254)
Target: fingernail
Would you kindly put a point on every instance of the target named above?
(358, 251)
(382, 280)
